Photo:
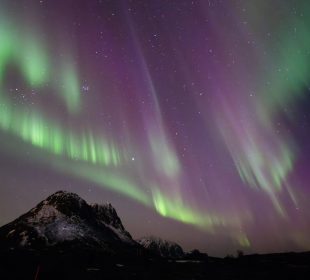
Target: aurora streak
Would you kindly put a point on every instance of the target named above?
(189, 110)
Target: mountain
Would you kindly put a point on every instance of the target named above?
(196, 255)
(65, 220)
(163, 248)
(63, 237)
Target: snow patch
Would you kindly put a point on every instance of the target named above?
(24, 238)
(47, 212)
(122, 236)
(10, 233)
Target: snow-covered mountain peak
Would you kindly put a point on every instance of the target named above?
(162, 247)
(65, 217)
(60, 203)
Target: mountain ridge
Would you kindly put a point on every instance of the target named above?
(65, 217)
(161, 247)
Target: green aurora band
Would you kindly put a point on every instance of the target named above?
(263, 155)
(79, 154)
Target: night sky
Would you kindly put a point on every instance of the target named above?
(191, 117)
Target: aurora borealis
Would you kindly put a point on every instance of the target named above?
(191, 117)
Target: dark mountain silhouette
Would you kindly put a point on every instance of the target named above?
(63, 237)
(163, 248)
(196, 255)
(65, 219)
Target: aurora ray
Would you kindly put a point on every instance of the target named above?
(192, 113)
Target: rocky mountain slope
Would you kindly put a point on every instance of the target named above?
(163, 248)
(65, 219)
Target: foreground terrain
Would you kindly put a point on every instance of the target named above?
(63, 237)
(86, 265)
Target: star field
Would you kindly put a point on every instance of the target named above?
(190, 117)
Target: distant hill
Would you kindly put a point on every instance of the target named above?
(163, 248)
